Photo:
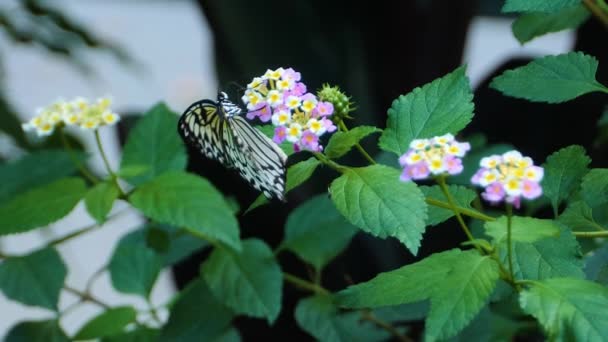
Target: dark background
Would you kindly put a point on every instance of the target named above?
(375, 51)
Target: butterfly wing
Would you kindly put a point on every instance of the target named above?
(257, 158)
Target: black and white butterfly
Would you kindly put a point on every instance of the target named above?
(219, 132)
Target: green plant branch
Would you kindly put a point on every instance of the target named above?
(368, 316)
(358, 146)
(153, 312)
(332, 164)
(462, 210)
(113, 176)
(597, 11)
(509, 244)
(305, 284)
(94, 277)
(83, 170)
(603, 233)
(86, 297)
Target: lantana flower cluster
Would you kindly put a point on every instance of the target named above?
(509, 177)
(78, 112)
(298, 116)
(435, 156)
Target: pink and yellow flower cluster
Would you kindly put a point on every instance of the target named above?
(509, 177)
(78, 112)
(435, 156)
(298, 116)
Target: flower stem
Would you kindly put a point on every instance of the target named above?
(113, 176)
(509, 245)
(444, 188)
(591, 234)
(465, 211)
(358, 146)
(304, 284)
(368, 316)
(86, 297)
(83, 170)
(323, 159)
(596, 10)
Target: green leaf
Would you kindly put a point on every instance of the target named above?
(319, 317)
(596, 266)
(316, 231)
(230, 335)
(563, 172)
(141, 334)
(404, 312)
(296, 175)
(569, 309)
(489, 326)
(462, 198)
(37, 331)
(375, 200)
(546, 6)
(110, 322)
(184, 200)
(26, 173)
(268, 131)
(99, 200)
(41, 206)
(196, 316)
(250, 282)
(458, 298)
(523, 229)
(458, 284)
(570, 75)
(134, 266)
(341, 142)
(546, 258)
(535, 24)
(155, 145)
(35, 279)
(578, 216)
(594, 187)
(442, 106)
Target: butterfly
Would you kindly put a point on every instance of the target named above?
(218, 131)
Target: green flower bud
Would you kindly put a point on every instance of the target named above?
(341, 102)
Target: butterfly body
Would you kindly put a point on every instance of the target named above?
(218, 131)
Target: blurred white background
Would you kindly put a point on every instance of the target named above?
(173, 43)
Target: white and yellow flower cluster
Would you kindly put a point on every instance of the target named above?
(78, 112)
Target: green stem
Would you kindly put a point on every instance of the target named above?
(94, 277)
(304, 284)
(73, 235)
(444, 188)
(591, 234)
(509, 244)
(602, 4)
(323, 159)
(83, 170)
(358, 146)
(368, 316)
(464, 211)
(597, 11)
(107, 165)
(153, 312)
(86, 297)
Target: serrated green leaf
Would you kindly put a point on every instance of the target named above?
(471, 161)
(34, 279)
(442, 106)
(268, 131)
(155, 145)
(250, 282)
(457, 299)
(375, 200)
(408, 284)
(316, 231)
(184, 200)
(134, 266)
(319, 317)
(523, 229)
(546, 6)
(596, 266)
(404, 312)
(462, 197)
(594, 187)
(110, 322)
(535, 24)
(341, 142)
(489, 326)
(296, 175)
(100, 199)
(26, 173)
(578, 216)
(141, 334)
(569, 309)
(36, 331)
(196, 316)
(570, 75)
(41, 206)
(563, 172)
(546, 258)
